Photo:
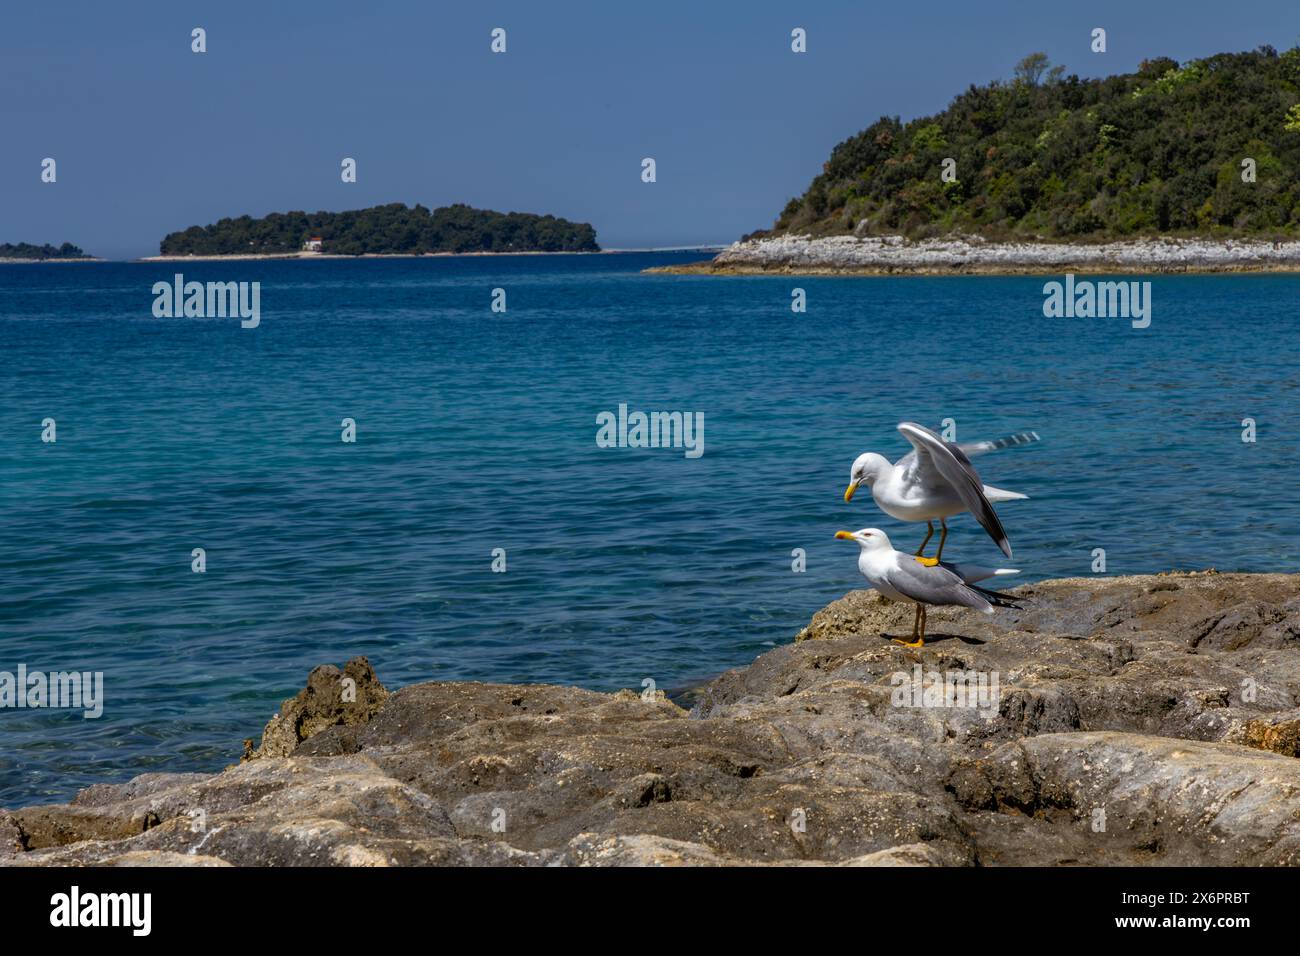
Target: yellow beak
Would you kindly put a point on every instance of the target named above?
(848, 492)
(848, 535)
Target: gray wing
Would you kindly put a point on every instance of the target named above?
(933, 585)
(947, 460)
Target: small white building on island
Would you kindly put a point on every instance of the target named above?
(312, 245)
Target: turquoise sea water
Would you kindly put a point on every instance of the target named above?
(477, 430)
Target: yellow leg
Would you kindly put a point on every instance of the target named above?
(938, 555)
(928, 562)
(928, 535)
(918, 630)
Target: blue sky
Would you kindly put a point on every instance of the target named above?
(150, 137)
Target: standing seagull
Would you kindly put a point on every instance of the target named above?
(935, 480)
(903, 577)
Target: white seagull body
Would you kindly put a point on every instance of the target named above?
(901, 577)
(935, 481)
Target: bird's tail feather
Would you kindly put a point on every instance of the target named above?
(970, 573)
(980, 447)
(1001, 494)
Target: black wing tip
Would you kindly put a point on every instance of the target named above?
(999, 599)
(989, 592)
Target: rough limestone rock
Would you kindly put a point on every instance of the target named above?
(331, 698)
(1133, 720)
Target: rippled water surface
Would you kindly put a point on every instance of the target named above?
(477, 431)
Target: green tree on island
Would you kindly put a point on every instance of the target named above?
(1162, 150)
(25, 250)
(393, 228)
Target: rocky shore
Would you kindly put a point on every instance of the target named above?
(1145, 720)
(972, 255)
(5, 260)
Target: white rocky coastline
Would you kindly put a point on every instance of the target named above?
(876, 255)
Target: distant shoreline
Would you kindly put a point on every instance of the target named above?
(240, 256)
(967, 255)
(332, 256)
(28, 262)
(250, 256)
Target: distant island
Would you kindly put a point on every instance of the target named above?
(1049, 156)
(27, 252)
(393, 229)
(1144, 170)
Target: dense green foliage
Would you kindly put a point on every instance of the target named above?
(25, 250)
(1157, 151)
(393, 228)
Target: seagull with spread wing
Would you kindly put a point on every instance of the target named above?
(923, 582)
(935, 480)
